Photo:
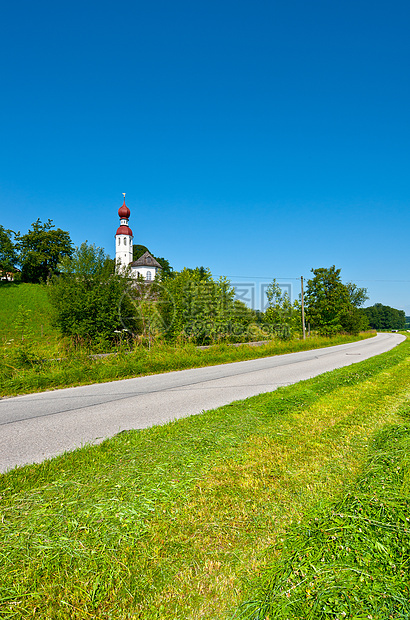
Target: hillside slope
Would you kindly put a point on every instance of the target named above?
(31, 297)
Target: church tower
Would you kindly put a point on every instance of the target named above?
(123, 238)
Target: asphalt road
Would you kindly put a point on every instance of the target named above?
(39, 426)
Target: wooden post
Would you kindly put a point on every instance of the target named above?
(303, 310)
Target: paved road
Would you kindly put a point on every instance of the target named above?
(38, 426)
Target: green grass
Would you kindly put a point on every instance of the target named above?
(186, 521)
(34, 298)
(351, 559)
(23, 369)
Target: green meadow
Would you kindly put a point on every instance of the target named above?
(34, 299)
(293, 504)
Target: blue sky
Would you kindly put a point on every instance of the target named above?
(260, 139)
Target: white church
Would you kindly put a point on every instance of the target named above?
(146, 266)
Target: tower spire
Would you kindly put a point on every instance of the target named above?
(123, 237)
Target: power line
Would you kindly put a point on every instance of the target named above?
(278, 278)
(217, 275)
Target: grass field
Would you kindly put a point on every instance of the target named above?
(34, 299)
(202, 518)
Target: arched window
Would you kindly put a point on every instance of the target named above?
(119, 241)
(148, 276)
(125, 240)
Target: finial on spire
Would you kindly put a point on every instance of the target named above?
(124, 211)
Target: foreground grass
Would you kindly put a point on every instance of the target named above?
(177, 522)
(350, 560)
(23, 370)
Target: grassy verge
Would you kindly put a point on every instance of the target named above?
(350, 560)
(23, 370)
(178, 521)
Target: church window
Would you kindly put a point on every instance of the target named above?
(125, 240)
(119, 241)
(148, 276)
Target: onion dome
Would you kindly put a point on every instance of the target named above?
(124, 230)
(124, 211)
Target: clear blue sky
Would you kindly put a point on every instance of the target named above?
(260, 139)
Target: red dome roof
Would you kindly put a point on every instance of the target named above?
(124, 211)
(124, 230)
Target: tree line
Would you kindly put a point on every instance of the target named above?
(94, 302)
(91, 299)
(385, 317)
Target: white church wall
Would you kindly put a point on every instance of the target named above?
(143, 271)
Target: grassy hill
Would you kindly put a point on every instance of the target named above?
(34, 299)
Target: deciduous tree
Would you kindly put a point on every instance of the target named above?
(89, 299)
(198, 308)
(8, 251)
(41, 249)
(332, 306)
(385, 317)
(284, 316)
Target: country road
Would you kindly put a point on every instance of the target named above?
(39, 426)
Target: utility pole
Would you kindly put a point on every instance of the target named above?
(303, 310)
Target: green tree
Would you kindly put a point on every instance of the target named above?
(8, 251)
(385, 317)
(284, 316)
(195, 307)
(166, 271)
(330, 305)
(89, 299)
(354, 320)
(138, 250)
(41, 249)
(140, 308)
(357, 296)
